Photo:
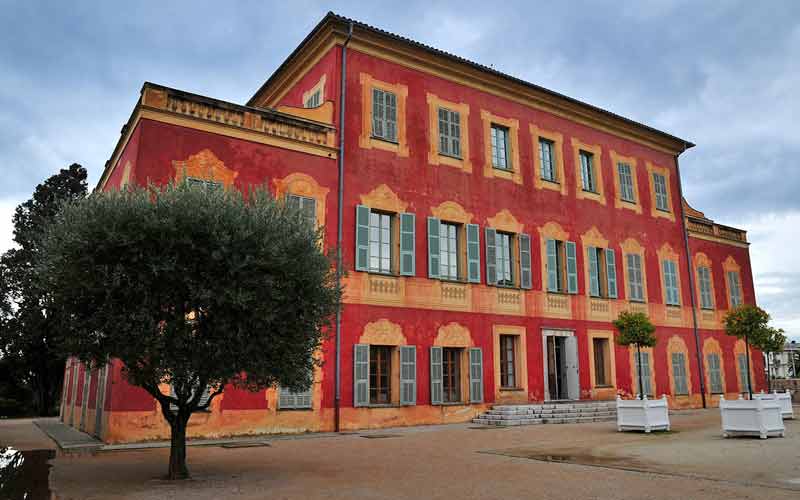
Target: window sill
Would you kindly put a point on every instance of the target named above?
(559, 292)
(501, 169)
(457, 403)
(630, 202)
(634, 301)
(454, 157)
(506, 287)
(512, 389)
(550, 181)
(387, 405)
(604, 387)
(383, 139)
(597, 297)
(663, 210)
(458, 281)
(380, 273)
(589, 191)
(295, 409)
(673, 306)
(710, 309)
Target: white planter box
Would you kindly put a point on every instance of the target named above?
(642, 414)
(783, 398)
(757, 417)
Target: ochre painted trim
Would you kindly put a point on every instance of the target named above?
(667, 253)
(597, 153)
(320, 86)
(204, 165)
(301, 184)
(365, 140)
(651, 169)
(505, 221)
(515, 172)
(632, 247)
(603, 392)
(557, 139)
(383, 198)
(450, 211)
(520, 364)
(716, 239)
(730, 265)
(711, 346)
(616, 159)
(434, 158)
(322, 113)
(677, 345)
(383, 332)
(453, 335)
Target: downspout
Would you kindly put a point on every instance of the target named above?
(338, 368)
(692, 297)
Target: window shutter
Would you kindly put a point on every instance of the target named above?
(491, 257)
(407, 242)
(572, 268)
(475, 375)
(436, 375)
(377, 113)
(408, 375)
(594, 278)
(391, 116)
(205, 396)
(362, 237)
(645, 363)
(552, 266)
(611, 272)
(473, 253)
(433, 247)
(526, 280)
(361, 375)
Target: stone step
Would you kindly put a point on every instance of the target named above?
(548, 413)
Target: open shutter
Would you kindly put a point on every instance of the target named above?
(525, 280)
(433, 247)
(362, 238)
(205, 396)
(611, 273)
(552, 266)
(473, 253)
(407, 243)
(361, 375)
(408, 375)
(436, 375)
(491, 257)
(475, 375)
(594, 275)
(572, 267)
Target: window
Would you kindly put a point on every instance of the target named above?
(714, 374)
(626, 182)
(448, 251)
(373, 379)
(203, 398)
(380, 244)
(602, 272)
(660, 189)
(704, 280)
(635, 277)
(507, 362)
(588, 180)
(306, 206)
(501, 255)
(643, 358)
(504, 257)
(204, 183)
(499, 135)
(451, 375)
(380, 374)
(314, 99)
(383, 245)
(447, 256)
(547, 160)
(735, 288)
(679, 373)
(671, 294)
(602, 376)
(290, 400)
(562, 266)
(741, 361)
(449, 133)
(384, 115)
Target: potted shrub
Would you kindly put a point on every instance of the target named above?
(641, 413)
(755, 417)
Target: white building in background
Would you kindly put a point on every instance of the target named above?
(785, 364)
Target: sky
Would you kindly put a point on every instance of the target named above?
(722, 74)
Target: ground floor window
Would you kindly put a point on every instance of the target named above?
(679, 373)
(741, 360)
(451, 375)
(602, 368)
(380, 370)
(715, 374)
(643, 358)
(507, 362)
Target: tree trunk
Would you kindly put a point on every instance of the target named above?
(177, 450)
(639, 359)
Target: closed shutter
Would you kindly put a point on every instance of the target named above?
(391, 116)
(741, 359)
(436, 375)
(434, 257)
(679, 373)
(645, 362)
(611, 273)
(552, 266)
(203, 398)
(594, 274)
(572, 268)
(525, 278)
(361, 375)
(475, 375)
(473, 253)
(408, 375)
(491, 257)
(290, 400)
(714, 374)
(362, 237)
(407, 243)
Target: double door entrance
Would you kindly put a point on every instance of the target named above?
(561, 378)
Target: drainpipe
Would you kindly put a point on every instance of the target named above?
(338, 368)
(692, 298)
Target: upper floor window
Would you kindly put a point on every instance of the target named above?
(499, 135)
(380, 242)
(504, 259)
(384, 115)
(385, 242)
(562, 266)
(306, 206)
(204, 183)
(671, 293)
(635, 277)
(449, 133)
(453, 251)
(448, 251)
(706, 294)
(588, 177)
(602, 272)
(547, 160)
(313, 100)
(503, 250)
(735, 288)
(660, 189)
(626, 191)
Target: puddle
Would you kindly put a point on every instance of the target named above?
(24, 474)
(251, 444)
(380, 436)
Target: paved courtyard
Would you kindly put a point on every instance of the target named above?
(456, 461)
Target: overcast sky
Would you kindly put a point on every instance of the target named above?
(723, 74)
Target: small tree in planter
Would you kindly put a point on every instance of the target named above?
(635, 328)
(750, 323)
(773, 343)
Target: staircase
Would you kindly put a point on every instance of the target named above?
(573, 412)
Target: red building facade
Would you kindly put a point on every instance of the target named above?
(492, 230)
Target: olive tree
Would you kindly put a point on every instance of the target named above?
(751, 323)
(192, 288)
(635, 328)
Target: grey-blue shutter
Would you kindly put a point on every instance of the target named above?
(362, 238)
(611, 273)
(594, 274)
(434, 257)
(408, 375)
(645, 389)
(552, 266)
(436, 375)
(526, 279)
(473, 253)
(361, 375)
(572, 267)
(491, 257)
(407, 243)
(475, 375)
